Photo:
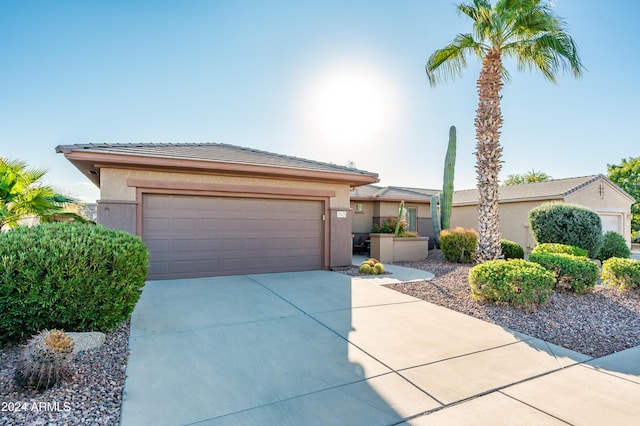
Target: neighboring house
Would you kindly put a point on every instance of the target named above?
(596, 192)
(373, 204)
(215, 209)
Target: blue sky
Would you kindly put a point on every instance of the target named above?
(334, 81)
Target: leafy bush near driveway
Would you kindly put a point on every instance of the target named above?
(458, 244)
(571, 273)
(560, 248)
(514, 282)
(511, 250)
(567, 224)
(613, 245)
(67, 276)
(621, 273)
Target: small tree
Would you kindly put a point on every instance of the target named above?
(528, 177)
(23, 195)
(627, 176)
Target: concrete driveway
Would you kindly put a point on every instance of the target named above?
(321, 348)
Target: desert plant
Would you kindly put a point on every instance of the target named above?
(435, 220)
(458, 244)
(446, 200)
(560, 248)
(68, 276)
(45, 360)
(511, 250)
(621, 273)
(572, 273)
(567, 224)
(613, 245)
(514, 282)
(371, 266)
(527, 33)
(389, 225)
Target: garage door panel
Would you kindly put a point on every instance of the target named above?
(192, 236)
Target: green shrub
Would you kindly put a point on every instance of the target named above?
(458, 244)
(567, 224)
(613, 245)
(67, 276)
(515, 282)
(572, 273)
(621, 273)
(560, 248)
(511, 250)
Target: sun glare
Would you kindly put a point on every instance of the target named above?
(350, 104)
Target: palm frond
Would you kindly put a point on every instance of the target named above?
(448, 62)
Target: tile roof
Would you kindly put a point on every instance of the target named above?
(215, 152)
(392, 192)
(553, 189)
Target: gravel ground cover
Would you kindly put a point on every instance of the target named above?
(596, 324)
(92, 395)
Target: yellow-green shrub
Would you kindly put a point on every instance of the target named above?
(621, 273)
(560, 248)
(458, 244)
(572, 273)
(514, 282)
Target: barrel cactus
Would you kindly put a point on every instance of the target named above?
(45, 360)
(371, 266)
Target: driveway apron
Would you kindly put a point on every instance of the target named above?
(318, 348)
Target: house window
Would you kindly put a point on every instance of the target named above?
(359, 208)
(412, 219)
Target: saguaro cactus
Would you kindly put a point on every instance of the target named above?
(435, 219)
(447, 181)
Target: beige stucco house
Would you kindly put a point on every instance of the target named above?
(373, 204)
(216, 209)
(596, 192)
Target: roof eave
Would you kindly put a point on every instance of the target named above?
(90, 163)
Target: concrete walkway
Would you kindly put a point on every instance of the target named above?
(320, 348)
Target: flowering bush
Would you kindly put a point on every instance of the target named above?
(389, 226)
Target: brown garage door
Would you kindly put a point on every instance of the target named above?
(192, 236)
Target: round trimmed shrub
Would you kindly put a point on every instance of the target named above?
(511, 250)
(571, 273)
(613, 245)
(560, 248)
(68, 276)
(514, 282)
(621, 273)
(567, 224)
(458, 244)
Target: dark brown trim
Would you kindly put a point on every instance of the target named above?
(123, 161)
(141, 191)
(223, 188)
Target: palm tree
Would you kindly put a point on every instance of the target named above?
(527, 31)
(22, 195)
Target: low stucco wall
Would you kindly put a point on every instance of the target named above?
(388, 249)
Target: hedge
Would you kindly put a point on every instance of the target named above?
(613, 245)
(572, 273)
(511, 250)
(560, 248)
(514, 282)
(67, 276)
(458, 244)
(621, 273)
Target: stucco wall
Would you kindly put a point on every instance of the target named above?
(613, 207)
(113, 184)
(362, 221)
(514, 221)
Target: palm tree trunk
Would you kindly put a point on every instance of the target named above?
(488, 152)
